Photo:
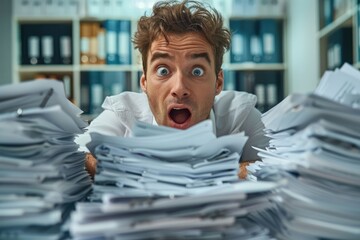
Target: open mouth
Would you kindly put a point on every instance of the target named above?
(180, 115)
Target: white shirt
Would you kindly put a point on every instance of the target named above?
(232, 112)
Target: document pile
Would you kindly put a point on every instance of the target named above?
(219, 214)
(163, 161)
(315, 149)
(41, 173)
(165, 183)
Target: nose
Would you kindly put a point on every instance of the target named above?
(179, 86)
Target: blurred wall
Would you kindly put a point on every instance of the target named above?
(303, 46)
(5, 42)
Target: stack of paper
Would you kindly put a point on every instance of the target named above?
(315, 151)
(165, 183)
(41, 173)
(219, 214)
(161, 161)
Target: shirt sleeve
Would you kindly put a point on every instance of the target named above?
(120, 112)
(105, 123)
(254, 129)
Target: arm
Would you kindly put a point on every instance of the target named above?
(254, 129)
(106, 123)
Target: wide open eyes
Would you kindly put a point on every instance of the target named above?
(162, 71)
(197, 72)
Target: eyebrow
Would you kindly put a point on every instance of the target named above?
(160, 55)
(201, 55)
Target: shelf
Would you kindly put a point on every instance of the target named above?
(48, 19)
(104, 18)
(253, 66)
(257, 17)
(109, 68)
(46, 68)
(344, 20)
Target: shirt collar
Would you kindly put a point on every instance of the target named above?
(212, 118)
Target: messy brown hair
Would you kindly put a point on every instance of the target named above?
(182, 17)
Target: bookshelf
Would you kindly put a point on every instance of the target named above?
(338, 35)
(256, 60)
(77, 75)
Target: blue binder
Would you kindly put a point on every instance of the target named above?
(245, 81)
(30, 38)
(96, 93)
(49, 45)
(271, 36)
(328, 7)
(229, 80)
(84, 93)
(344, 38)
(124, 41)
(111, 42)
(254, 41)
(64, 42)
(239, 51)
(272, 83)
(114, 82)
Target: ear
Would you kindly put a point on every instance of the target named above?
(143, 82)
(219, 82)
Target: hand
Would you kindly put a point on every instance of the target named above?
(90, 165)
(243, 171)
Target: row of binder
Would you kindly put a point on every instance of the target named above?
(46, 44)
(258, 41)
(266, 85)
(95, 86)
(340, 48)
(106, 43)
(333, 9)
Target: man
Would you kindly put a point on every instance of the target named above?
(182, 46)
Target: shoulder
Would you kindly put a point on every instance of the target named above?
(120, 112)
(232, 110)
(235, 112)
(228, 101)
(131, 102)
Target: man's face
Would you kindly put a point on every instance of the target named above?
(180, 81)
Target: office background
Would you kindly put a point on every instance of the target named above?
(301, 45)
(324, 156)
